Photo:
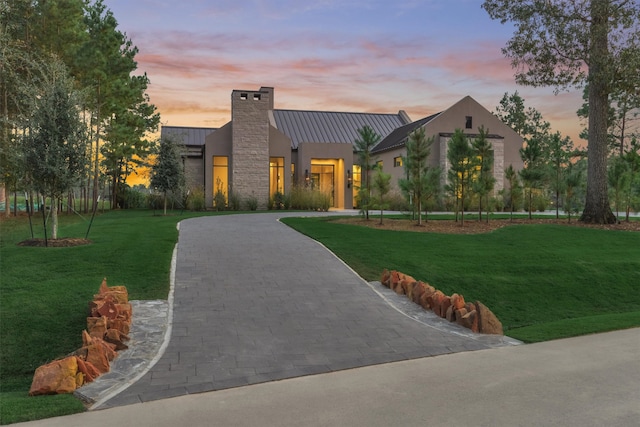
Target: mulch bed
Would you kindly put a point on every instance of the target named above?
(65, 242)
(473, 226)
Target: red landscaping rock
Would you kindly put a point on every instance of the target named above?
(469, 320)
(488, 323)
(97, 326)
(123, 326)
(108, 309)
(460, 313)
(425, 301)
(56, 377)
(457, 301)
(113, 336)
(436, 302)
(417, 291)
(385, 277)
(394, 280)
(124, 311)
(445, 303)
(87, 369)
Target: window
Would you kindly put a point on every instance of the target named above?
(357, 182)
(221, 175)
(276, 175)
(379, 164)
(256, 97)
(243, 96)
(468, 122)
(397, 162)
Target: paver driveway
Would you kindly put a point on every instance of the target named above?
(256, 301)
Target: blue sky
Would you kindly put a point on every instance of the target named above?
(340, 55)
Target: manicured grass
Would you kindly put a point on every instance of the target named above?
(44, 294)
(542, 281)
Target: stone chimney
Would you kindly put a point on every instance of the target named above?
(250, 143)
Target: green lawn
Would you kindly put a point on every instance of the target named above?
(542, 281)
(44, 294)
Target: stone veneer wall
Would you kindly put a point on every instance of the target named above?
(250, 144)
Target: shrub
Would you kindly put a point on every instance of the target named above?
(277, 201)
(397, 202)
(251, 203)
(219, 201)
(196, 199)
(235, 201)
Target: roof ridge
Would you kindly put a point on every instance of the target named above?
(335, 112)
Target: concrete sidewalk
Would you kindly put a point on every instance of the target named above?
(585, 381)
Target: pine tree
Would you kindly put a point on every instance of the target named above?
(459, 155)
(422, 182)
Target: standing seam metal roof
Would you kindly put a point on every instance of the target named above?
(332, 127)
(399, 136)
(186, 135)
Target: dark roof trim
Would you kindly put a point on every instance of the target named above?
(472, 135)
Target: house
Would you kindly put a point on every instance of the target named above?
(467, 115)
(264, 150)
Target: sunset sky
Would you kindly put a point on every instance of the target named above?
(337, 55)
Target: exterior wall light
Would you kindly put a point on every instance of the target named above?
(349, 179)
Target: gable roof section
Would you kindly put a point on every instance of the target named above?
(186, 135)
(399, 136)
(323, 126)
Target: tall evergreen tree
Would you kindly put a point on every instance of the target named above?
(564, 43)
(104, 63)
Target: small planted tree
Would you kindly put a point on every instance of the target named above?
(573, 181)
(55, 147)
(367, 140)
(419, 182)
(166, 173)
(618, 177)
(533, 173)
(514, 189)
(558, 154)
(632, 159)
(459, 154)
(484, 182)
(381, 187)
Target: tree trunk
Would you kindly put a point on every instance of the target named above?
(597, 209)
(54, 218)
(96, 170)
(165, 203)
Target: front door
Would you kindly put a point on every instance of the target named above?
(322, 178)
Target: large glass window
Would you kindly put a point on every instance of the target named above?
(357, 182)
(276, 175)
(221, 176)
